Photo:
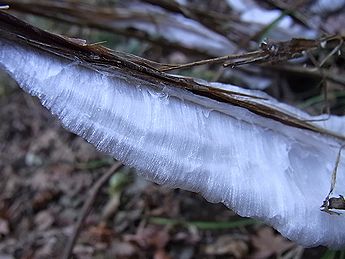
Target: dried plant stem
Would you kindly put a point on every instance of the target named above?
(334, 174)
(217, 60)
(87, 206)
(334, 203)
(268, 53)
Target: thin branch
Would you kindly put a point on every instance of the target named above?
(334, 174)
(169, 67)
(87, 206)
(334, 203)
(269, 52)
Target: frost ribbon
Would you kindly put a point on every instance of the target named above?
(259, 157)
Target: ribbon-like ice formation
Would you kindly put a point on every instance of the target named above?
(256, 166)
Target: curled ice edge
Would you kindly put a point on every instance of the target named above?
(254, 165)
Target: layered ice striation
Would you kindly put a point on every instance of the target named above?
(256, 166)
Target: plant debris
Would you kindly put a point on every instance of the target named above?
(46, 171)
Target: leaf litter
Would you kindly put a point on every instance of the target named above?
(47, 205)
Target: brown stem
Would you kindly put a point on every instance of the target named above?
(87, 206)
(169, 67)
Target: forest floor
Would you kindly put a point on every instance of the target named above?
(47, 172)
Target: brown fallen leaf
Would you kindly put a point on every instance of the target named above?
(150, 236)
(100, 233)
(267, 243)
(228, 245)
(42, 198)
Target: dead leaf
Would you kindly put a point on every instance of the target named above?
(228, 245)
(267, 243)
(101, 233)
(150, 236)
(43, 198)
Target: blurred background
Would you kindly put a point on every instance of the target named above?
(46, 172)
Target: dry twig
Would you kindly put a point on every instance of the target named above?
(268, 53)
(334, 203)
(87, 206)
